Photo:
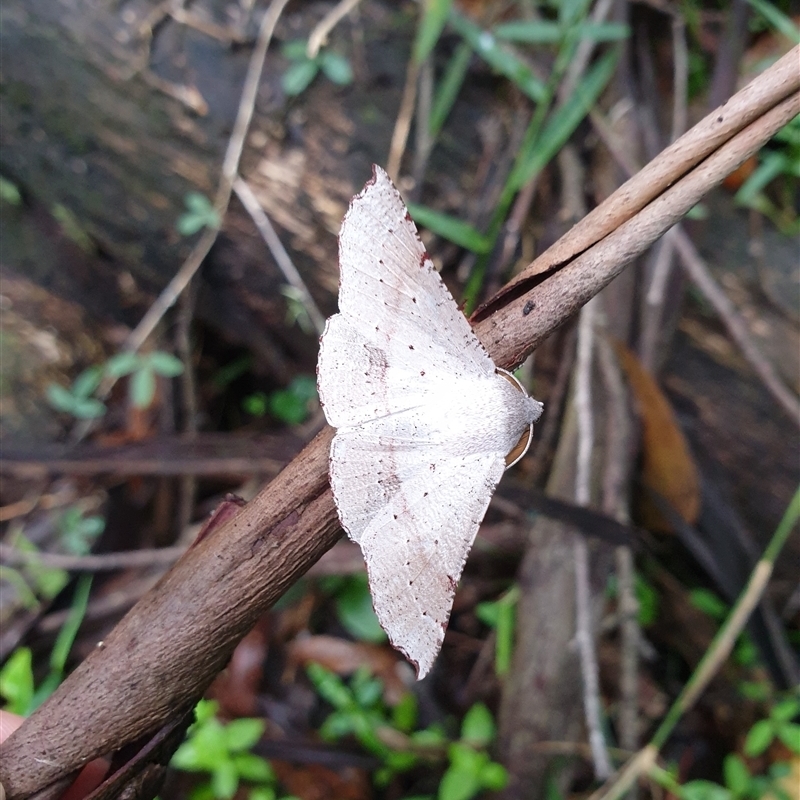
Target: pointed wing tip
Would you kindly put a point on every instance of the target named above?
(422, 665)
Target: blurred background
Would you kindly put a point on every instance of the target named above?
(125, 423)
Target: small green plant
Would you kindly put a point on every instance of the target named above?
(16, 681)
(296, 310)
(501, 615)
(354, 607)
(142, 369)
(779, 725)
(222, 751)
(16, 677)
(471, 769)
(738, 782)
(78, 400)
(35, 580)
(200, 213)
(78, 532)
(360, 712)
(291, 405)
(303, 69)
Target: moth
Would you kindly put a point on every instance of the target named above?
(424, 420)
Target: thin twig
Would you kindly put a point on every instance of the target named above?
(700, 275)
(108, 562)
(615, 503)
(716, 655)
(188, 422)
(583, 52)
(583, 614)
(230, 167)
(680, 80)
(653, 316)
(319, 36)
(282, 258)
(403, 124)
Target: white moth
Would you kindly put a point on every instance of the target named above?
(424, 420)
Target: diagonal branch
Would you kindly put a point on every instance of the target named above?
(167, 649)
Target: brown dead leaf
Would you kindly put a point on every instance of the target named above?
(667, 464)
(318, 782)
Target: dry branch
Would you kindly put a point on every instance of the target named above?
(166, 650)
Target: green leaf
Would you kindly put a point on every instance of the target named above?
(648, 601)
(478, 726)
(122, 364)
(16, 681)
(164, 364)
(295, 50)
(529, 32)
(198, 204)
(460, 781)
(329, 686)
(604, 31)
(706, 601)
(189, 224)
(242, 734)
(566, 118)
(777, 19)
(404, 714)
(338, 725)
(287, 407)
(87, 382)
(142, 388)
(737, 776)
(366, 689)
(494, 776)
(291, 405)
(789, 734)
(9, 192)
(759, 738)
(488, 612)
(771, 166)
(226, 375)
(498, 57)
(297, 78)
(355, 612)
(449, 87)
(225, 779)
(263, 793)
(256, 404)
(336, 68)
(704, 790)
(785, 710)
(758, 691)
(253, 768)
(88, 409)
(434, 17)
(452, 229)
(60, 398)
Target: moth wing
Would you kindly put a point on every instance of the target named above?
(399, 331)
(415, 514)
